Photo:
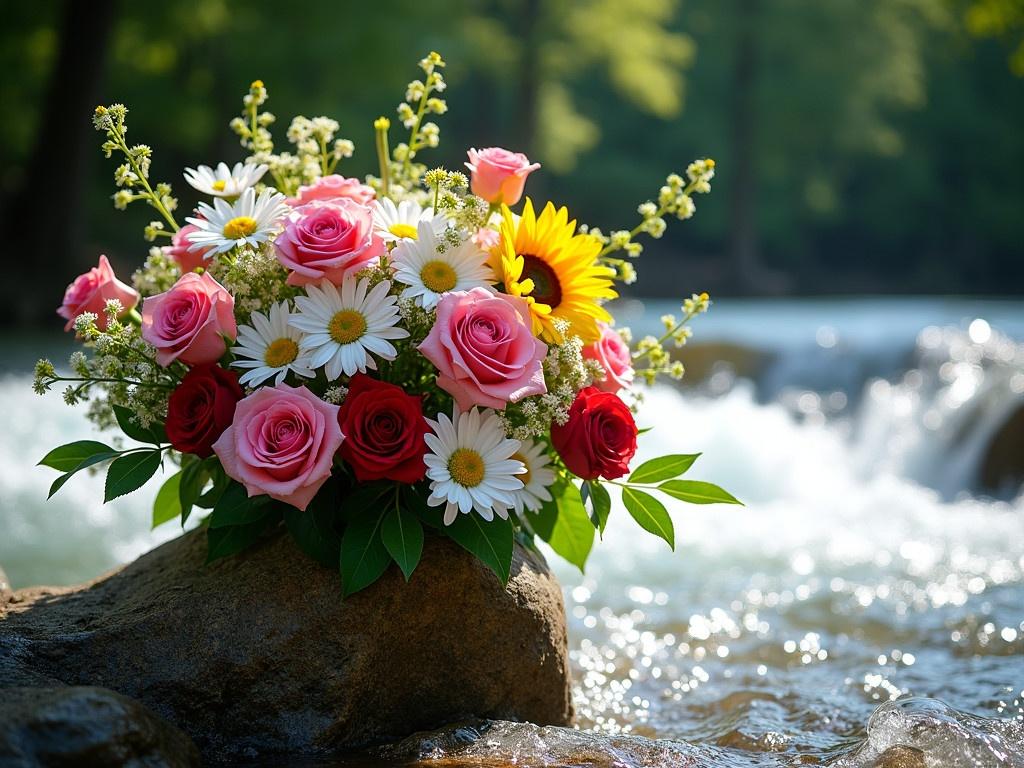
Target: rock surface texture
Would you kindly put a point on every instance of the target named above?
(258, 653)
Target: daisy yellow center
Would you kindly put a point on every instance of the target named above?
(219, 185)
(546, 287)
(281, 352)
(525, 477)
(347, 326)
(403, 230)
(438, 276)
(240, 226)
(466, 467)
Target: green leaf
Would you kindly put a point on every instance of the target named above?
(66, 458)
(235, 507)
(167, 504)
(697, 492)
(490, 541)
(129, 473)
(402, 534)
(314, 530)
(663, 468)
(194, 477)
(601, 504)
(96, 458)
(362, 500)
(564, 524)
(364, 558)
(154, 433)
(221, 542)
(650, 514)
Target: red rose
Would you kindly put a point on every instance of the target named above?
(599, 439)
(201, 408)
(384, 429)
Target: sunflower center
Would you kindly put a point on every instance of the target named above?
(347, 326)
(239, 227)
(281, 352)
(546, 287)
(525, 476)
(219, 185)
(438, 276)
(401, 229)
(466, 467)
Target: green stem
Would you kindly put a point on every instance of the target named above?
(154, 200)
(383, 157)
(610, 248)
(668, 335)
(416, 126)
(132, 382)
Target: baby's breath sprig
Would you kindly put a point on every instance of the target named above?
(132, 177)
(420, 93)
(675, 198)
(652, 349)
(318, 150)
(253, 131)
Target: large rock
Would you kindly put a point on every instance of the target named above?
(259, 653)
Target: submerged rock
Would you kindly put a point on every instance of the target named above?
(259, 653)
(87, 726)
(1002, 466)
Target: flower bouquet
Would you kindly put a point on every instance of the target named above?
(358, 360)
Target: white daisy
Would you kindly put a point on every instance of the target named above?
(537, 478)
(225, 182)
(341, 328)
(395, 223)
(270, 347)
(249, 219)
(429, 272)
(470, 465)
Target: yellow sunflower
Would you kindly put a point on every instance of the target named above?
(541, 259)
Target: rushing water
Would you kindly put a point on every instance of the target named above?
(867, 597)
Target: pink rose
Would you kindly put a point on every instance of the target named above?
(484, 348)
(614, 356)
(90, 293)
(281, 442)
(332, 240)
(187, 261)
(191, 321)
(498, 176)
(334, 187)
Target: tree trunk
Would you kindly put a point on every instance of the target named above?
(743, 245)
(45, 214)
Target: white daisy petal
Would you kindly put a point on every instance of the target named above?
(270, 348)
(224, 181)
(470, 465)
(250, 220)
(431, 266)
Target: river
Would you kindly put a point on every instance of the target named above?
(870, 593)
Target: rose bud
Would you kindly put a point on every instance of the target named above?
(497, 175)
(90, 293)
